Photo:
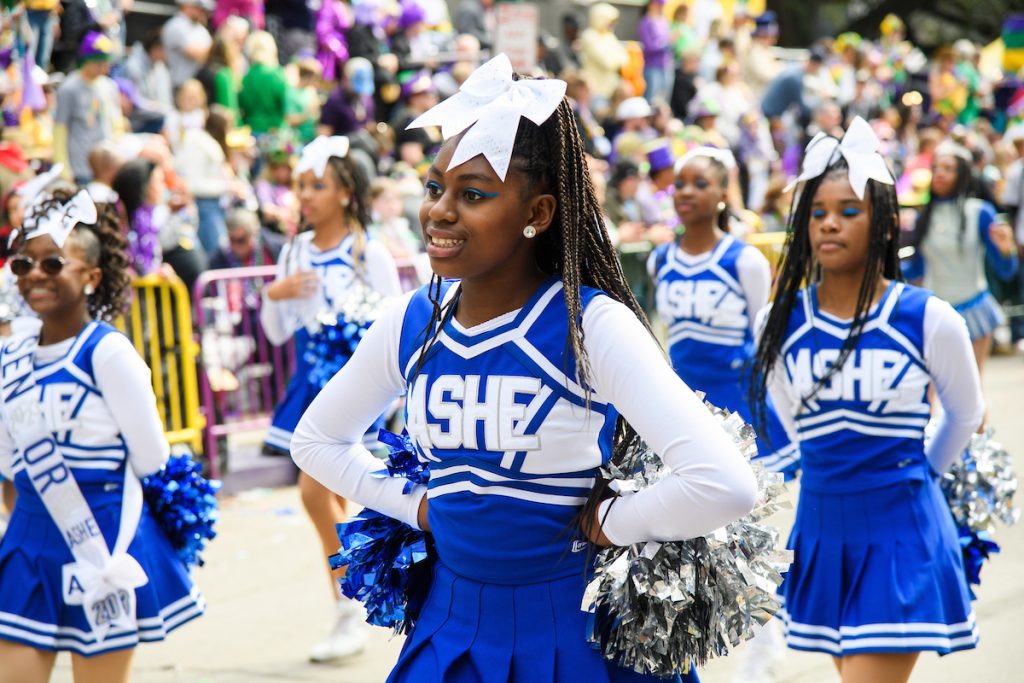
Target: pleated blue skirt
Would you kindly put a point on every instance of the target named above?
(877, 571)
(982, 314)
(32, 555)
(473, 632)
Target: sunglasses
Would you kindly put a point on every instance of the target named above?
(23, 265)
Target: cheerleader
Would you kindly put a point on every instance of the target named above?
(522, 378)
(84, 566)
(848, 360)
(317, 270)
(955, 234)
(709, 286)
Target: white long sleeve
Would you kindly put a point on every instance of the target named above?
(281, 319)
(710, 484)
(949, 357)
(755, 276)
(125, 381)
(278, 318)
(327, 444)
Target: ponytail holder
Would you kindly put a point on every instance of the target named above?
(492, 103)
(316, 154)
(859, 147)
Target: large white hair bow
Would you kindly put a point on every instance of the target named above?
(859, 147)
(494, 102)
(60, 220)
(316, 153)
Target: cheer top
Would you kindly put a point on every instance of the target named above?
(337, 270)
(864, 427)
(95, 445)
(500, 417)
(708, 302)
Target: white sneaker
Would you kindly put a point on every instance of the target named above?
(347, 638)
(762, 655)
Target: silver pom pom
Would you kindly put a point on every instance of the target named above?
(980, 486)
(659, 608)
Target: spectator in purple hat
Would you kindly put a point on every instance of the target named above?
(410, 40)
(350, 107)
(655, 194)
(655, 36)
(186, 39)
(143, 116)
(88, 108)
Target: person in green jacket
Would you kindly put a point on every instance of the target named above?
(221, 75)
(264, 94)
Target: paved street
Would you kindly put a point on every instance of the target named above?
(269, 602)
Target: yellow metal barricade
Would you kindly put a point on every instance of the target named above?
(159, 324)
(768, 243)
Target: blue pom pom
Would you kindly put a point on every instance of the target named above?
(329, 348)
(184, 504)
(975, 547)
(388, 563)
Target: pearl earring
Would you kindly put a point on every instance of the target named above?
(529, 232)
(721, 206)
(89, 290)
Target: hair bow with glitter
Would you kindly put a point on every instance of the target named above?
(722, 156)
(492, 103)
(315, 154)
(860, 149)
(60, 220)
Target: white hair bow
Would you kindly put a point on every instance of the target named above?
(60, 220)
(492, 101)
(33, 187)
(859, 147)
(722, 156)
(315, 154)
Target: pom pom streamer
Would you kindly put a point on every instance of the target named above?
(979, 490)
(339, 333)
(388, 563)
(184, 504)
(658, 608)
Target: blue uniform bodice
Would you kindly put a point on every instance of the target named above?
(512, 443)
(865, 427)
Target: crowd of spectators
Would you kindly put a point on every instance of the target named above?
(196, 126)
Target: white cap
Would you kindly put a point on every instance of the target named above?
(633, 108)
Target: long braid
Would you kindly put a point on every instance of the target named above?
(798, 268)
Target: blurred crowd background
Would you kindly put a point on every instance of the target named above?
(193, 114)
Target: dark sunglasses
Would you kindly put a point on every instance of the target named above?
(23, 265)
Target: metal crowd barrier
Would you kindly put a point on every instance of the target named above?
(242, 375)
(159, 324)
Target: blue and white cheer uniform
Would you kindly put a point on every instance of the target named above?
(877, 564)
(337, 271)
(497, 412)
(709, 302)
(96, 395)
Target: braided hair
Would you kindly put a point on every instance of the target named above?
(102, 245)
(576, 247)
(798, 267)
